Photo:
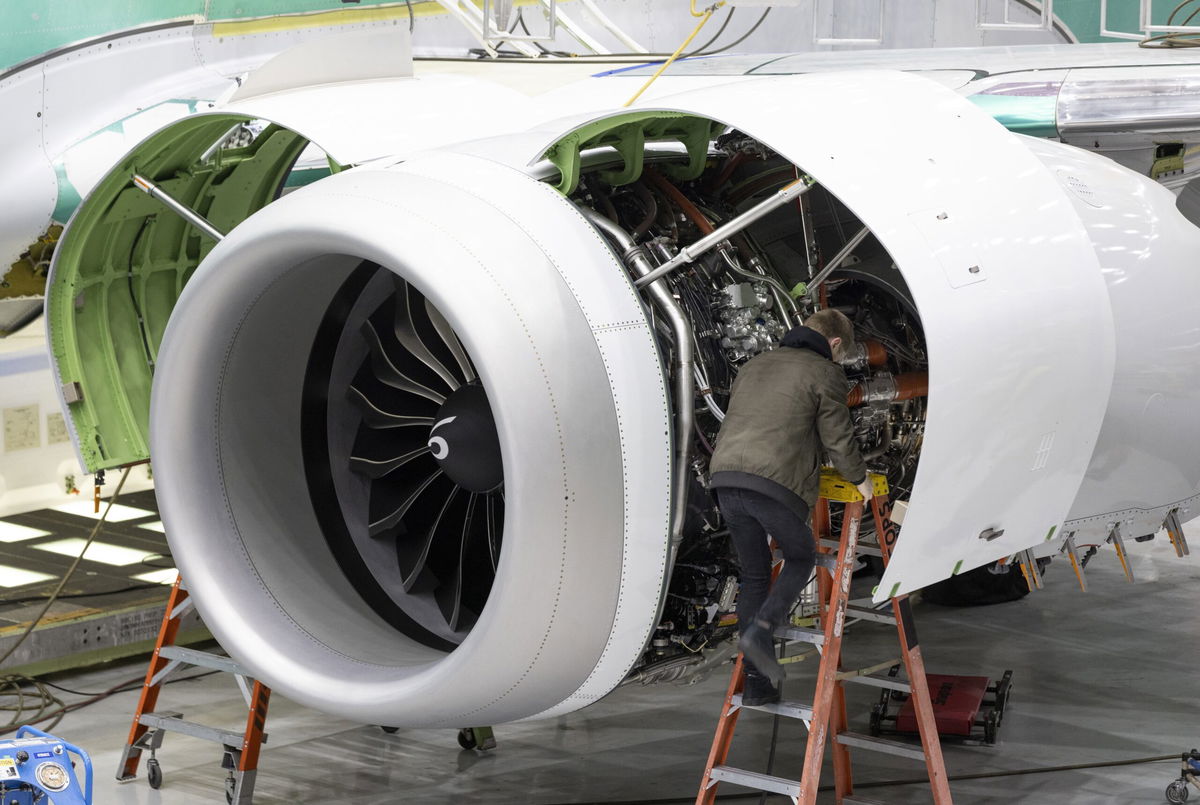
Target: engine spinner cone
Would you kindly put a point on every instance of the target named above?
(464, 441)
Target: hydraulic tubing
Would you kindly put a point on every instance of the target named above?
(783, 299)
(633, 256)
(689, 254)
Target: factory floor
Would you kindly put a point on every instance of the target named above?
(1105, 676)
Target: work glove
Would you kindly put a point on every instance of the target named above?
(867, 490)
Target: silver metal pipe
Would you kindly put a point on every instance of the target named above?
(810, 236)
(183, 211)
(633, 256)
(215, 147)
(702, 385)
(783, 299)
(689, 254)
(838, 259)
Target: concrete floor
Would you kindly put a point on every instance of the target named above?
(1102, 676)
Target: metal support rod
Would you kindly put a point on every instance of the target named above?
(811, 251)
(581, 36)
(186, 213)
(627, 40)
(838, 259)
(689, 254)
(636, 258)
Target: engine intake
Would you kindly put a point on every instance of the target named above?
(333, 344)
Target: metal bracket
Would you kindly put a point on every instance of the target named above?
(1146, 26)
(490, 24)
(1146, 22)
(1118, 542)
(1045, 21)
(1071, 551)
(1175, 532)
(1029, 567)
(823, 10)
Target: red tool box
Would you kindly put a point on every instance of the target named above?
(961, 705)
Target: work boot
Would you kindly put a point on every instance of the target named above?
(758, 690)
(758, 646)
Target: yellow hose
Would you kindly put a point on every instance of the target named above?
(704, 16)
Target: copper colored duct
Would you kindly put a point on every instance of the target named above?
(890, 389)
(876, 354)
(676, 195)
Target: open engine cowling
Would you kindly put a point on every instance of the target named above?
(411, 425)
(558, 338)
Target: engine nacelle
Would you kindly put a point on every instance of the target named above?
(267, 332)
(412, 427)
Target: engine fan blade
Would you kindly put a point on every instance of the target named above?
(449, 596)
(405, 328)
(412, 549)
(386, 371)
(378, 468)
(379, 419)
(385, 511)
(446, 333)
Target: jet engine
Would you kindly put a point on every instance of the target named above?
(430, 437)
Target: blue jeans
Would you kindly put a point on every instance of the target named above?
(751, 516)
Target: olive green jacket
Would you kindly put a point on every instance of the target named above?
(787, 410)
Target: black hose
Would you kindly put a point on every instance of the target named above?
(651, 206)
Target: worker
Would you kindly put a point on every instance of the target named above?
(788, 409)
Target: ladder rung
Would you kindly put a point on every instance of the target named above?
(881, 745)
(785, 709)
(202, 659)
(880, 681)
(860, 801)
(870, 615)
(753, 779)
(827, 561)
(172, 723)
(864, 548)
(801, 635)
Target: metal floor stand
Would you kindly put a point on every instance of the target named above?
(241, 750)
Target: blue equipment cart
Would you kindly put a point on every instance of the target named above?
(1189, 773)
(36, 769)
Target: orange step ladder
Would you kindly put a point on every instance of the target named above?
(241, 750)
(826, 716)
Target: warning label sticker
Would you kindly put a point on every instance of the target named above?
(8, 769)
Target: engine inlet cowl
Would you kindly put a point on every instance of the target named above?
(413, 448)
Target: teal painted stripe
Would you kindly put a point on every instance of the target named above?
(305, 176)
(1023, 114)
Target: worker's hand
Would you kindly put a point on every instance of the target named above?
(866, 489)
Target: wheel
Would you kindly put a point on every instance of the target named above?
(877, 713)
(1177, 791)
(153, 773)
(991, 725)
(1002, 693)
(466, 738)
(390, 730)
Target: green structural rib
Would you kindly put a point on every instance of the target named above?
(118, 276)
